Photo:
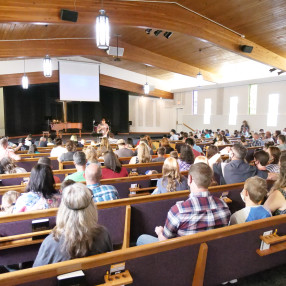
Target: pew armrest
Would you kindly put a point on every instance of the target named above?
(123, 278)
(277, 244)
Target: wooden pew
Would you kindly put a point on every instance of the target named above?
(207, 258)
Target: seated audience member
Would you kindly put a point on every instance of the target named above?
(161, 155)
(28, 140)
(75, 141)
(211, 152)
(79, 160)
(274, 156)
(227, 133)
(43, 142)
(66, 183)
(8, 201)
(243, 141)
(174, 136)
(174, 154)
(129, 143)
(267, 145)
(261, 159)
(143, 155)
(199, 212)
(33, 149)
(196, 147)
(220, 140)
(186, 158)
(237, 170)
(256, 140)
(40, 192)
(91, 155)
(47, 161)
(275, 136)
(103, 147)
(6, 152)
(171, 180)
(9, 167)
(59, 149)
(149, 148)
(268, 137)
(191, 143)
(111, 139)
(276, 201)
(253, 193)
(21, 145)
(122, 150)
(113, 167)
(71, 149)
(208, 133)
(77, 232)
(149, 142)
(50, 142)
(101, 193)
(281, 141)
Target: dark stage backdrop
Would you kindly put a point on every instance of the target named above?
(26, 110)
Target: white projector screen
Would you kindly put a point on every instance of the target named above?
(79, 81)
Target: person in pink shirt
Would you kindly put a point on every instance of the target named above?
(5, 152)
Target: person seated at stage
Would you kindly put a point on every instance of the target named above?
(276, 201)
(174, 136)
(274, 156)
(268, 137)
(79, 161)
(253, 194)
(6, 152)
(129, 143)
(50, 142)
(59, 149)
(186, 158)
(191, 143)
(103, 128)
(122, 150)
(77, 232)
(42, 142)
(113, 167)
(166, 144)
(101, 193)
(8, 202)
(91, 155)
(104, 147)
(111, 139)
(174, 154)
(143, 155)
(9, 166)
(40, 192)
(281, 142)
(237, 170)
(47, 161)
(161, 155)
(71, 149)
(171, 180)
(256, 140)
(33, 149)
(200, 212)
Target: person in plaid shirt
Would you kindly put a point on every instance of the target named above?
(199, 212)
(101, 193)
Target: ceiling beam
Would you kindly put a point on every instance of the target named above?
(166, 16)
(38, 78)
(60, 48)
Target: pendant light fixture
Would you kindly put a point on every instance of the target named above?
(146, 86)
(25, 80)
(102, 30)
(200, 77)
(47, 65)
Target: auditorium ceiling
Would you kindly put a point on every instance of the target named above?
(207, 34)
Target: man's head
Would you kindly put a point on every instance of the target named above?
(58, 141)
(255, 189)
(161, 151)
(92, 174)
(173, 131)
(4, 143)
(261, 157)
(281, 139)
(79, 159)
(267, 134)
(238, 152)
(255, 136)
(121, 143)
(200, 176)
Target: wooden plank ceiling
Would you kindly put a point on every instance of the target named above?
(196, 45)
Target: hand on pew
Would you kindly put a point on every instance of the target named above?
(159, 231)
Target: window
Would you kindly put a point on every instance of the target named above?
(232, 110)
(252, 99)
(272, 115)
(207, 113)
(195, 102)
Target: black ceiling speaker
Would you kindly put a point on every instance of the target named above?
(246, 49)
(68, 15)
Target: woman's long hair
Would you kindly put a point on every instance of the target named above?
(42, 181)
(171, 174)
(149, 140)
(165, 142)
(70, 146)
(8, 165)
(281, 182)
(76, 223)
(111, 162)
(275, 153)
(187, 154)
(104, 143)
(143, 153)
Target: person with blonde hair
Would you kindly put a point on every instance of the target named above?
(8, 201)
(165, 143)
(104, 147)
(77, 232)
(91, 155)
(143, 155)
(171, 180)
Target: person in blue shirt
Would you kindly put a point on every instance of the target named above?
(253, 194)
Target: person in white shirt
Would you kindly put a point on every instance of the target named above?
(59, 149)
(268, 137)
(174, 136)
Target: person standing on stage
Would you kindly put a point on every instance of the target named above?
(103, 128)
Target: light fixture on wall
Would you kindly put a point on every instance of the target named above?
(102, 30)
(146, 86)
(47, 65)
(25, 80)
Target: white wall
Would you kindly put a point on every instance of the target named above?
(220, 106)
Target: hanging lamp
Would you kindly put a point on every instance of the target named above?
(102, 30)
